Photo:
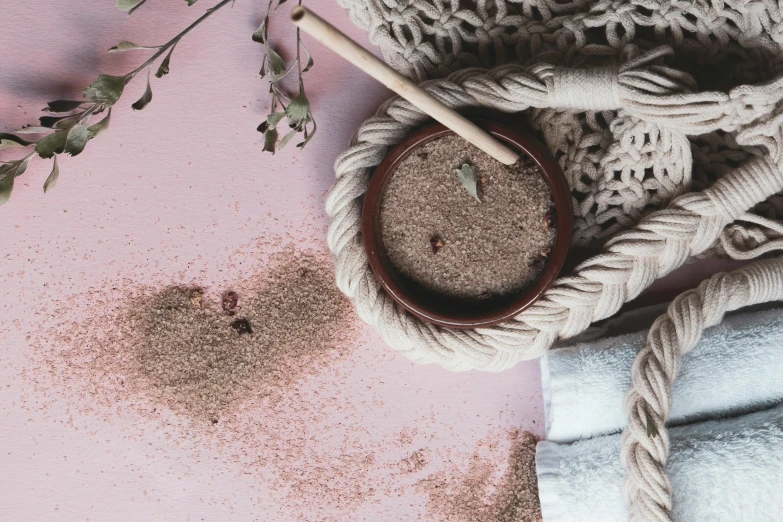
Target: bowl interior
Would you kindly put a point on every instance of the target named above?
(450, 311)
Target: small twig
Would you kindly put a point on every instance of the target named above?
(174, 41)
(70, 133)
(297, 110)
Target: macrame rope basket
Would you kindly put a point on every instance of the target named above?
(630, 261)
(662, 172)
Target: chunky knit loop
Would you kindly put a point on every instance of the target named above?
(662, 170)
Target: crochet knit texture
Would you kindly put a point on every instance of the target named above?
(678, 139)
(666, 119)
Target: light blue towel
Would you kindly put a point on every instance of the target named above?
(721, 471)
(736, 367)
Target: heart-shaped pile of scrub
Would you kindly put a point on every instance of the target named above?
(203, 355)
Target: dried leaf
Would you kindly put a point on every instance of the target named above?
(125, 45)
(298, 111)
(76, 140)
(52, 144)
(276, 65)
(310, 61)
(242, 326)
(287, 138)
(8, 172)
(106, 89)
(259, 35)
(8, 141)
(129, 5)
(146, 98)
(270, 140)
(279, 3)
(197, 298)
(262, 72)
(308, 137)
(467, 176)
(6, 187)
(228, 302)
(34, 129)
(52, 121)
(51, 181)
(99, 128)
(63, 106)
(163, 70)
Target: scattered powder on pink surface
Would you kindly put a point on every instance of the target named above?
(277, 404)
(478, 494)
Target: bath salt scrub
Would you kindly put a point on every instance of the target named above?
(203, 356)
(264, 379)
(477, 495)
(198, 353)
(462, 240)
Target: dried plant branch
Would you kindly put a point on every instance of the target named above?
(296, 110)
(131, 5)
(69, 132)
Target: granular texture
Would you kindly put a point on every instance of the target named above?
(493, 247)
(190, 351)
(477, 495)
(305, 420)
(204, 356)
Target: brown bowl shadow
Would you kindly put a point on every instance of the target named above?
(448, 311)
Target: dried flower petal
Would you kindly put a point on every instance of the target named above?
(481, 185)
(242, 326)
(229, 302)
(196, 298)
(436, 243)
(550, 219)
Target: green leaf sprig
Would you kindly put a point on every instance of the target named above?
(73, 127)
(296, 110)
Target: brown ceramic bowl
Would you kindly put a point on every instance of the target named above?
(448, 311)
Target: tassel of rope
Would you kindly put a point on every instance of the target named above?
(645, 441)
(654, 93)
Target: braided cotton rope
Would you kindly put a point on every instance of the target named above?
(645, 441)
(619, 167)
(599, 287)
(619, 133)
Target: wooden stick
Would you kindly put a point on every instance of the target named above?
(341, 44)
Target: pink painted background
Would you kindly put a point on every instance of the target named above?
(181, 193)
(170, 195)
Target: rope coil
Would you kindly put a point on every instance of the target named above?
(645, 441)
(636, 154)
(631, 260)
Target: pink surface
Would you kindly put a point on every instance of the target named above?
(181, 192)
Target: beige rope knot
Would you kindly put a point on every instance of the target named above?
(595, 89)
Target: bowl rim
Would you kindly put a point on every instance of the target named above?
(387, 277)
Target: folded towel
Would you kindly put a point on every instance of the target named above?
(721, 471)
(735, 368)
